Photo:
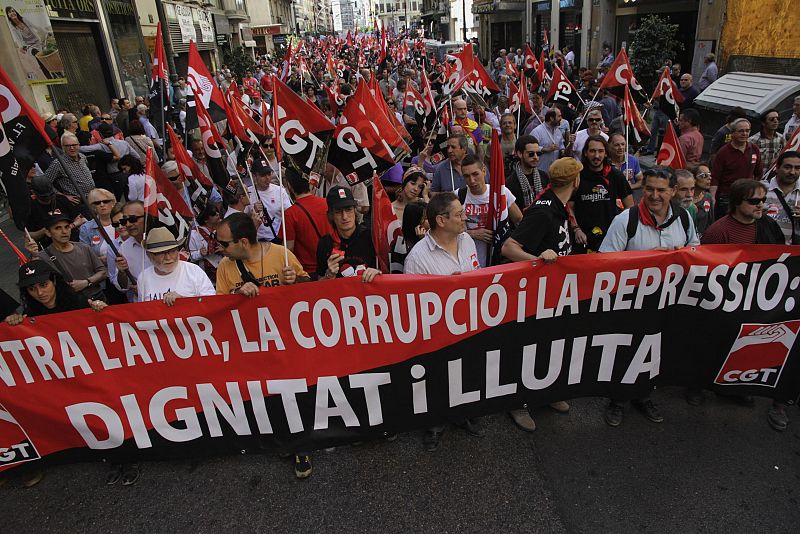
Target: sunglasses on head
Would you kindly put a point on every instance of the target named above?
(131, 219)
(755, 201)
(104, 201)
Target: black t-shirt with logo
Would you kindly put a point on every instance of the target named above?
(598, 200)
(545, 225)
(359, 253)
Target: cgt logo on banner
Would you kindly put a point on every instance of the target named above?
(15, 445)
(758, 355)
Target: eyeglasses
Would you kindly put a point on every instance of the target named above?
(704, 175)
(534, 153)
(105, 201)
(458, 214)
(225, 244)
(131, 219)
(70, 146)
(755, 201)
(595, 120)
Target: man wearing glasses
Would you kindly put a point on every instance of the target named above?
(551, 139)
(76, 166)
(735, 160)
(132, 258)
(656, 223)
(594, 120)
(523, 178)
(768, 140)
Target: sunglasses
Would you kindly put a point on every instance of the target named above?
(106, 118)
(755, 201)
(131, 219)
(225, 244)
(534, 153)
(594, 120)
(116, 224)
(704, 175)
(98, 202)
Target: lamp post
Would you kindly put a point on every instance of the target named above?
(464, 18)
(168, 51)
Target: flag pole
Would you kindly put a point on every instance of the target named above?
(588, 108)
(283, 225)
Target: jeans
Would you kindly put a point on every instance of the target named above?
(659, 123)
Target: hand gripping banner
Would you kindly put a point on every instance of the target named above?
(330, 362)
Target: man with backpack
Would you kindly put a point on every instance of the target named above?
(656, 223)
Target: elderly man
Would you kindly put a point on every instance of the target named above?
(710, 73)
(735, 160)
(73, 163)
(470, 126)
(594, 120)
(149, 129)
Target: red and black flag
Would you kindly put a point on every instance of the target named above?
(632, 117)
(201, 87)
(501, 228)
(22, 140)
(530, 65)
(303, 132)
(384, 225)
(215, 151)
(562, 91)
(670, 153)
(620, 74)
(196, 183)
(668, 94)
(363, 142)
(162, 202)
(520, 103)
(159, 85)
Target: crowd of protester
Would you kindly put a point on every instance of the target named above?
(567, 192)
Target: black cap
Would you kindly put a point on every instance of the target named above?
(261, 166)
(54, 217)
(42, 186)
(33, 272)
(340, 197)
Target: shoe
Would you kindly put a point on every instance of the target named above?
(613, 415)
(114, 475)
(560, 406)
(131, 475)
(29, 480)
(522, 418)
(694, 397)
(471, 428)
(432, 439)
(649, 410)
(777, 418)
(302, 466)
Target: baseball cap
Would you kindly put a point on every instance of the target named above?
(564, 170)
(54, 217)
(33, 272)
(42, 186)
(340, 197)
(261, 166)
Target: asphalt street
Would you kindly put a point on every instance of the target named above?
(716, 468)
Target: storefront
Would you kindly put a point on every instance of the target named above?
(501, 25)
(570, 23)
(101, 49)
(263, 36)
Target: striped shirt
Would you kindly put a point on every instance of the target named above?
(77, 169)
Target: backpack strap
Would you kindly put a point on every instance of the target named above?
(311, 220)
(633, 221)
(789, 213)
(247, 276)
(462, 195)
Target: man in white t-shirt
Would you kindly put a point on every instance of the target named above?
(476, 206)
(268, 197)
(170, 278)
(595, 121)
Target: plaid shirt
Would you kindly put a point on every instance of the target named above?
(770, 148)
(78, 169)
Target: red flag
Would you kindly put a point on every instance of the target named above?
(214, 147)
(511, 69)
(22, 140)
(159, 71)
(497, 199)
(162, 200)
(22, 258)
(377, 98)
(670, 153)
(202, 87)
(349, 39)
(562, 90)
(331, 67)
(414, 99)
(427, 92)
(186, 165)
(539, 71)
(331, 99)
(792, 144)
(287, 63)
(530, 65)
(233, 90)
(620, 73)
(633, 117)
(382, 218)
(382, 57)
(276, 125)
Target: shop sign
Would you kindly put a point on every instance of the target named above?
(185, 22)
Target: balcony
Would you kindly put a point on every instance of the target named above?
(235, 10)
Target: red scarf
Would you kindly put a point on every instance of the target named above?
(645, 216)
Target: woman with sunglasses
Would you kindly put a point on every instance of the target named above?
(204, 249)
(703, 200)
(102, 202)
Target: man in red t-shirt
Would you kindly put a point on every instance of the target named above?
(306, 221)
